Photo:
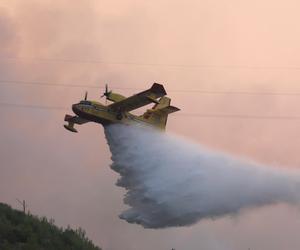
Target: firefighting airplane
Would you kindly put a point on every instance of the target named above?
(119, 110)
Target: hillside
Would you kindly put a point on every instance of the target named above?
(24, 231)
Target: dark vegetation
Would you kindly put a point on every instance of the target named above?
(28, 232)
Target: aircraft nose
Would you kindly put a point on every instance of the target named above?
(75, 108)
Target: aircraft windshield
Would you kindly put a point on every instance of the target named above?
(85, 102)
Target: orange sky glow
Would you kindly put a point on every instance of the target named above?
(213, 46)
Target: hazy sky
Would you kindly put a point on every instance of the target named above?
(243, 46)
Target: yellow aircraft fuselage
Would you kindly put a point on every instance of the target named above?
(99, 113)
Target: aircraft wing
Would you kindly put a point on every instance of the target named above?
(138, 100)
(75, 119)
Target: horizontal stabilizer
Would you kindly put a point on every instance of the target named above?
(168, 109)
(152, 99)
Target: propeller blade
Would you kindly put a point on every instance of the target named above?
(85, 96)
(106, 92)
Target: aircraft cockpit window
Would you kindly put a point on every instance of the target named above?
(86, 102)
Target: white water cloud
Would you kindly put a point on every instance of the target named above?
(173, 182)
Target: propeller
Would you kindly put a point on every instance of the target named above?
(85, 96)
(106, 92)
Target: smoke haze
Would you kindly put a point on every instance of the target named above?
(172, 182)
(65, 176)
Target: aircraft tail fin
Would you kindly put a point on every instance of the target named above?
(158, 115)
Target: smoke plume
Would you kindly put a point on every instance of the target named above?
(173, 182)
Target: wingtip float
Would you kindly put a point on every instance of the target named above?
(118, 112)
